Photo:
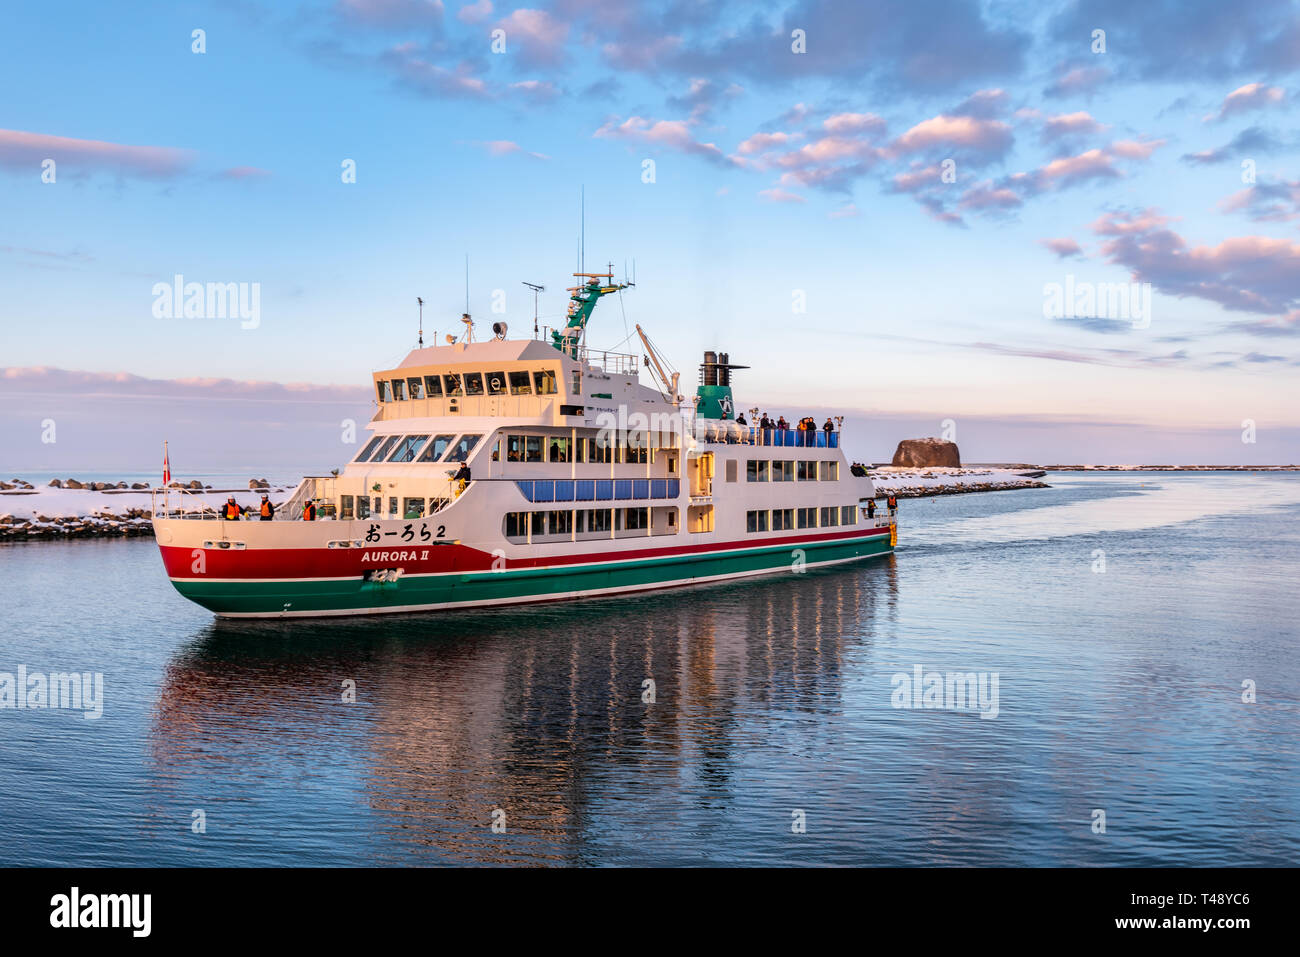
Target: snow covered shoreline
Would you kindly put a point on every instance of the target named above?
(923, 482)
(29, 513)
(46, 513)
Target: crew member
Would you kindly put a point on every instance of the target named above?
(267, 510)
(871, 508)
(462, 477)
(231, 510)
(309, 511)
(892, 502)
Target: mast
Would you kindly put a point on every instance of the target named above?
(582, 301)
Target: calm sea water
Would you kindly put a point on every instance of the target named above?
(1118, 690)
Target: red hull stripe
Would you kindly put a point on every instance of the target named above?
(417, 559)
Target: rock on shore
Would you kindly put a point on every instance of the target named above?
(927, 453)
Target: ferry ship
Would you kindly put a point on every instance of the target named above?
(513, 470)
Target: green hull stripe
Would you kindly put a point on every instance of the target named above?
(271, 597)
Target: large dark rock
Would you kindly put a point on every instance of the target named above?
(927, 453)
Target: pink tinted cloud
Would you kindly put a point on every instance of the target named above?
(475, 12)
(671, 134)
(22, 150)
(1259, 274)
(540, 35)
(988, 137)
(1252, 96)
(430, 79)
(987, 196)
(1063, 125)
(762, 143)
(244, 172)
(778, 195)
(506, 147)
(844, 124)
(1063, 247)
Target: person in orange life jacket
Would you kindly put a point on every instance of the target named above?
(267, 510)
(309, 511)
(892, 502)
(231, 510)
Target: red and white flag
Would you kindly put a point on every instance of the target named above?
(167, 468)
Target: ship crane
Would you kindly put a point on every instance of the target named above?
(654, 360)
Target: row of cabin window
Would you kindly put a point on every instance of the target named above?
(417, 448)
(467, 383)
(411, 507)
(550, 448)
(761, 470)
(784, 519)
(581, 521)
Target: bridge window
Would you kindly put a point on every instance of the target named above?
(545, 382)
(473, 383)
(415, 386)
(433, 386)
(451, 385)
(385, 447)
(433, 452)
(496, 383)
(520, 384)
(364, 455)
(408, 448)
(384, 389)
(399, 389)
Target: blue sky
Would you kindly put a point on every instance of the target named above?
(777, 176)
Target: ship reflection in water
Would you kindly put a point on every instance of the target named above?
(537, 718)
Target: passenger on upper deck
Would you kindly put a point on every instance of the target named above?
(740, 419)
(829, 427)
